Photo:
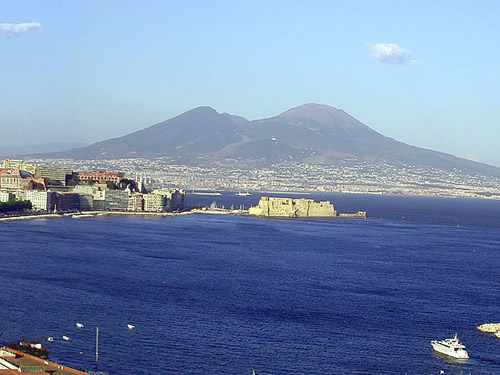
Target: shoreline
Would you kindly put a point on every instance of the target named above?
(92, 214)
(30, 217)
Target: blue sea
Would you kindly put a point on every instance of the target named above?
(221, 294)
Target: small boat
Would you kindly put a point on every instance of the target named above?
(497, 334)
(450, 347)
(130, 326)
(240, 194)
(50, 339)
(79, 325)
(66, 338)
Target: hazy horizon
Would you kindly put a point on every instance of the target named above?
(84, 71)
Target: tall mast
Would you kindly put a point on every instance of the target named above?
(96, 344)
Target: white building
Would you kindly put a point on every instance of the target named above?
(154, 202)
(6, 196)
(174, 199)
(40, 200)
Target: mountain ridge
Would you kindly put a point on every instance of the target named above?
(309, 133)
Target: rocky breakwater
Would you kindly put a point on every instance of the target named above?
(490, 328)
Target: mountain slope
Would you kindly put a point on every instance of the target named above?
(38, 148)
(192, 134)
(308, 133)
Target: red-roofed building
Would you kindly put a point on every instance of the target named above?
(15, 362)
(100, 177)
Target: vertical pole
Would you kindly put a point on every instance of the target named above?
(96, 344)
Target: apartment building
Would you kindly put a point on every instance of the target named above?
(154, 202)
(6, 196)
(136, 203)
(41, 200)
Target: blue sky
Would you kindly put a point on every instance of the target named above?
(423, 72)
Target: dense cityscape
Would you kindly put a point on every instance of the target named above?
(346, 177)
(143, 185)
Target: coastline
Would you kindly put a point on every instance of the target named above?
(91, 214)
(30, 217)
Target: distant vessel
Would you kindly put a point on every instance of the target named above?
(130, 326)
(80, 325)
(50, 339)
(205, 193)
(66, 338)
(451, 347)
(497, 334)
(240, 194)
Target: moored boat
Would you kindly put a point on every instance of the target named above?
(243, 194)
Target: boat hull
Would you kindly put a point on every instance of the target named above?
(454, 353)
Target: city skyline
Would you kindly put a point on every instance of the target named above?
(425, 74)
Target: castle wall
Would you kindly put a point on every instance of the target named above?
(287, 207)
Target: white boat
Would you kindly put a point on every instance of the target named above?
(66, 338)
(240, 194)
(80, 325)
(451, 347)
(50, 339)
(130, 326)
(497, 334)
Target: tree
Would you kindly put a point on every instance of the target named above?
(73, 180)
(112, 186)
(38, 186)
(13, 206)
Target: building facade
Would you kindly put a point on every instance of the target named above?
(6, 196)
(115, 200)
(54, 175)
(14, 178)
(19, 164)
(154, 202)
(99, 176)
(41, 200)
(136, 203)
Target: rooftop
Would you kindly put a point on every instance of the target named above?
(15, 362)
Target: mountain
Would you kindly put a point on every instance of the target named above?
(306, 134)
(189, 136)
(38, 148)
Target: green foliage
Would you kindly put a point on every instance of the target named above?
(124, 182)
(37, 186)
(12, 206)
(72, 181)
(112, 186)
(90, 182)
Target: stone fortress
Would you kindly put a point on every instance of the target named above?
(288, 207)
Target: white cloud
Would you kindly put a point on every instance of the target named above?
(13, 29)
(390, 53)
